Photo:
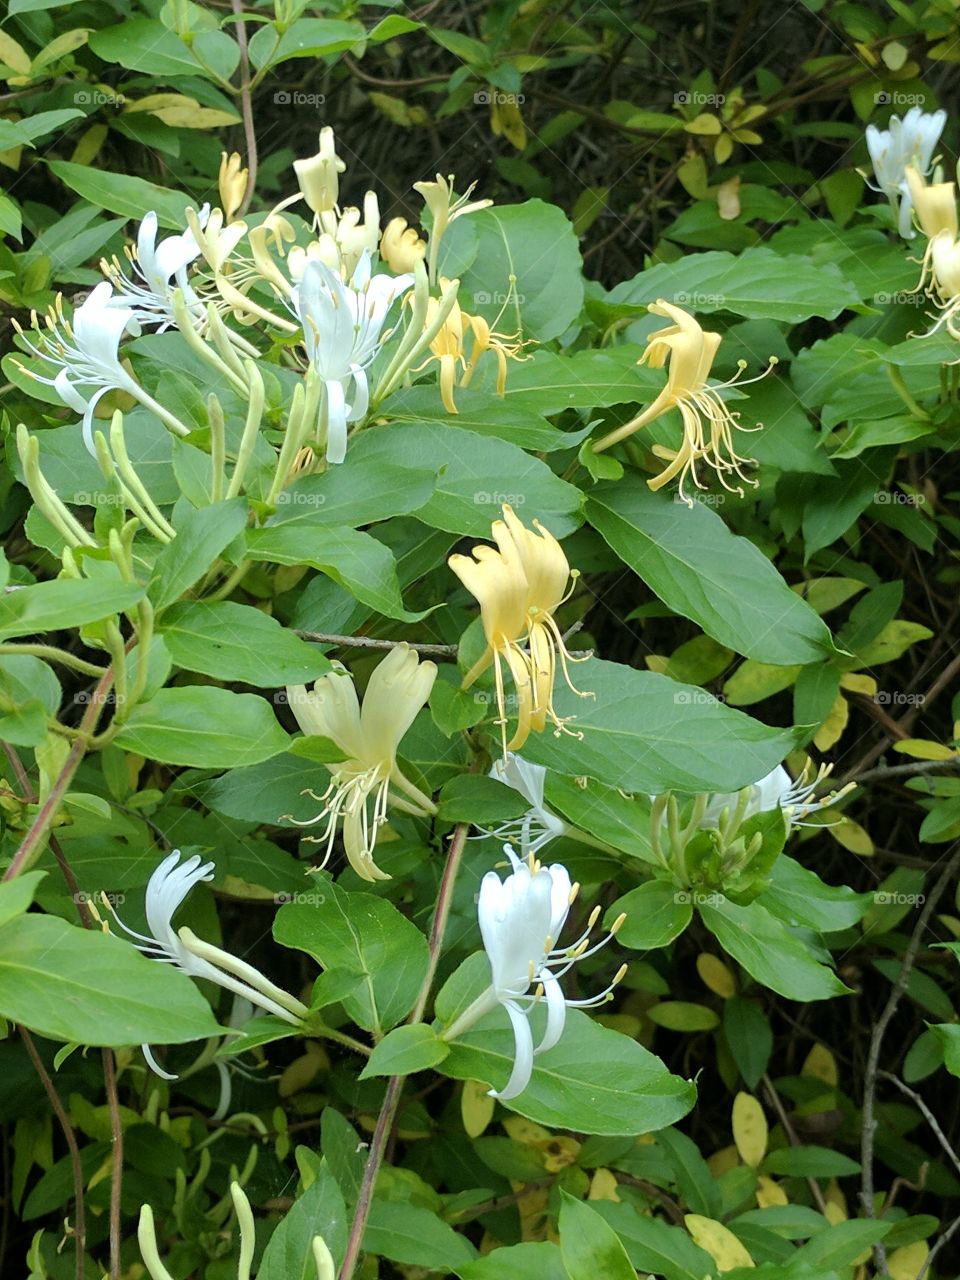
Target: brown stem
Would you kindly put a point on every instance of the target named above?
(391, 1099)
(80, 1226)
(788, 1129)
(246, 107)
(116, 1184)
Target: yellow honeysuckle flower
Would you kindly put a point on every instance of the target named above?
(369, 738)
(445, 208)
(688, 351)
(935, 204)
(217, 238)
(519, 587)
(319, 175)
(400, 246)
(233, 180)
(449, 350)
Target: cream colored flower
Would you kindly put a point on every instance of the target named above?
(369, 737)
(319, 176)
(233, 180)
(688, 351)
(445, 208)
(400, 246)
(519, 587)
(449, 349)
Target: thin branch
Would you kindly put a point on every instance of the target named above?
(927, 1114)
(885, 772)
(367, 642)
(794, 1141)
(116, 1184)
(246, 107)
(80, 1226)
(868, 1120)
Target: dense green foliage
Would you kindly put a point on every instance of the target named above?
(697, 382)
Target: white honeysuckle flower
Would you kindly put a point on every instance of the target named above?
(342, 329)
(161, 267)
(370, 739)
(538, 826)
(167, 888)
(777, 790)
(520, 919)
(88, 351)
(910, 141)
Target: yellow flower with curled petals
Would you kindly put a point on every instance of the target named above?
(688, 351)
(519, 587)
(232, 182)
(400, 246)
(369, 782)
(449, 349)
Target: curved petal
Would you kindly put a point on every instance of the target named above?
(522, 1055)
(336, 421)
(155, 1066)
(556, 1011)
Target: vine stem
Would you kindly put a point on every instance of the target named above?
(116, 1182)
(246, 107)
(868, 1121)
(391, 1099)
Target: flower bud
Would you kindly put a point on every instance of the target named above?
(319, 176)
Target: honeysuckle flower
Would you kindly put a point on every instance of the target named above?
(520, 919)
(369, 781)
(354, 235)
(688, 351)
(538, 826)
(448, 348)
(776, 790)
(217, 236)
(167, 888)
(342, 326)
(519, 587)
(445, 208)
(319, 175)
(910, 141)
(232, 183)
(400, 245)
(161, 268)
(88, 353)
(935, 204)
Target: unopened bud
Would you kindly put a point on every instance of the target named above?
(319, 176)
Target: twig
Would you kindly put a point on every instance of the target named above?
(246, 107)
(868, 1122)
(944, 1239)
(794, 1141)
(367, 642)
(80, 1226)
(116, 1184)
(883, 772)
(927, 1114)
(391, 1099)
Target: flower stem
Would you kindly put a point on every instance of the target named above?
(391, 1099)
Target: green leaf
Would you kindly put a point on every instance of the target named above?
(475, 476)
(16, 895)
(798, 896)
(533, 242)
(757, 283)
(507, 418)
(355, 495)
(62, 603)
(480, 801)
(657, 912)
(141, 44)
(363, 935)
(842, 1243)
(23, 133)
(405, 1050)
(809, 1162)
(949, 1036)
(267, 792)
(82, 985)
(634, 1094)
(769, 952)
(414, 1237)
(590, 1247)
(749, 1038)
(700, 569)
(529, 1261)
(305, 38)
(695, 1182)
(202, 535)
(654, 1246)
(123, 193)
(320, 1211)
(204, 727)
(355, 560)
(647, 733)
(237, 642)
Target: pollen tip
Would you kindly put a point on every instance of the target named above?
(618, 924)
(593, 917)
(620, 974)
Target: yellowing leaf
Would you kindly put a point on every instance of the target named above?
(715, 975)
(923, 749)
(820, 1064)
(657, 662)
(749, 1129)
(89, 144)
(752, 681)
(824, 594)
(14, 55)
(892, 643)
(728, 199)
(894, 54)
(506, 121)
(65, 43)
(851, 835)
(836, 1203)
(603, 1186)
(832, 728)
(769, 1192)
(476, 1107)
(855, 683)
(747, 135)
(723, 1160)
(723, 148)
(705, 124)
(693, 177)
(525, 1131)
(721, 1244)
(906, 1262)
